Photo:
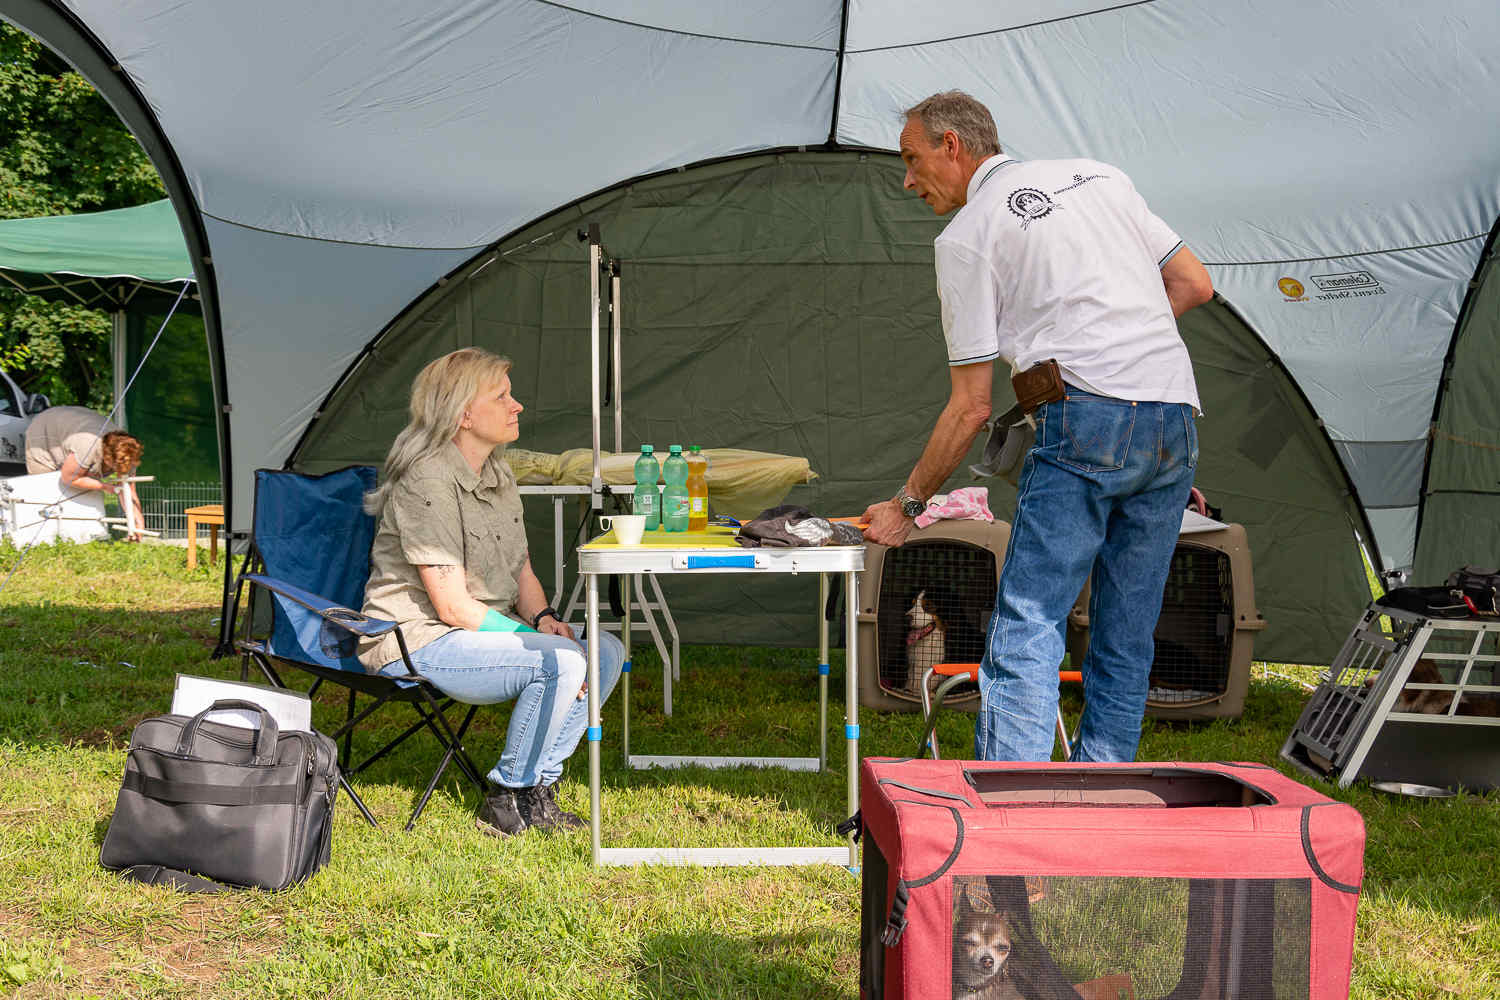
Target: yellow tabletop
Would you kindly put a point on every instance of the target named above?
(714, 536)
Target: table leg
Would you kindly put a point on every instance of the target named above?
(213, 544)
(625, 589)
(822, 672)
(851, 698)
(192, 543)
(595, 731)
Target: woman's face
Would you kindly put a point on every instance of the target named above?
(493, 416)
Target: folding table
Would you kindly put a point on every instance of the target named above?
(713, 551)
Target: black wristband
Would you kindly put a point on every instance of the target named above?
(548, 610)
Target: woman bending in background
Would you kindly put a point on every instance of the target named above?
(450, 563)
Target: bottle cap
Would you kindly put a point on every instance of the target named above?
(646, 449)
(696, 449)
(676, 449)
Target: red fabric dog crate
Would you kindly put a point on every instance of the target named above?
(994, 881)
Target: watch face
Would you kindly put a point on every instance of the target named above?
(911, 506)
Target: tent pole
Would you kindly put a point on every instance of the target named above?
(595, 255)
(614, 319)
(120, 361)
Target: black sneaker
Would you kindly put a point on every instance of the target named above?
(539, 809)
(500, 816)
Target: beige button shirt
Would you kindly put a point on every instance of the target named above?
(442, 514)
(60, 431)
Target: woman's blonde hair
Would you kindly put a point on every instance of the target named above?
(439, 394)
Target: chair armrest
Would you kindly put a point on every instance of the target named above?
(345, 618)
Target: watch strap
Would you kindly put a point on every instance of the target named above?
(548, 610)
(910, 505)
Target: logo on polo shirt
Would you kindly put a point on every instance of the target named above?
(1029, 205)
(1291, 288)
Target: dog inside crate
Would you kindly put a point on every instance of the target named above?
(1104, 938)
(935, 601)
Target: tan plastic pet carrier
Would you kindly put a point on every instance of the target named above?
(1206, 632)
(923, 603)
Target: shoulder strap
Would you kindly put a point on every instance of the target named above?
(175, 878)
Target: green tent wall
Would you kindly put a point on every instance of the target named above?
(1459, 521)
(786, 303)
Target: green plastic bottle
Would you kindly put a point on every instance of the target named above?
(646, 499)
(674, 499)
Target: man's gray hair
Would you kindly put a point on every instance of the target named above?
(957, 112)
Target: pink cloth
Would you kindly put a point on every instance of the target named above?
(970, 503)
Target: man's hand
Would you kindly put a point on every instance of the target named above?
(888, 526)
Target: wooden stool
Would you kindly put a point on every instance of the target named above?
(212, 516)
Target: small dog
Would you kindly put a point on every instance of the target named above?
(981, 949)
(926, 640)
(1481, 703)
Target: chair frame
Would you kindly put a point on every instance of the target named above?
(413, 689)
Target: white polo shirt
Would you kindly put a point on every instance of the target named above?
(1062, 259)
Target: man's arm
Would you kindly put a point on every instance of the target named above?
(1187, 281)
(961, 420)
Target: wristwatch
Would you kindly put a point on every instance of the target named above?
(910, 505)
(536, 619)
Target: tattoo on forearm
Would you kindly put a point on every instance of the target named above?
(442, 571)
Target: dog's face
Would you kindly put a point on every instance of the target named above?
(917, 616)
(981, 949)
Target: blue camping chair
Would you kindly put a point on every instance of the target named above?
(310, 552)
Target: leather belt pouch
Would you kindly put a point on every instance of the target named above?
(1041, 383)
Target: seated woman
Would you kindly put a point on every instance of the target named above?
(451, 565)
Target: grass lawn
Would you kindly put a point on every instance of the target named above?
(91, 637)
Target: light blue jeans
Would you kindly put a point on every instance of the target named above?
(1102, 490)
(543, 673)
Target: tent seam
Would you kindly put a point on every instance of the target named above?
(688, 34)
(1340, 256)
(997, 31)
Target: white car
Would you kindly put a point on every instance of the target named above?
(16, 410)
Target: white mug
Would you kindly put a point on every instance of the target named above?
(628, 528)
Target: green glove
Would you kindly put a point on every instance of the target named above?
(494, 621)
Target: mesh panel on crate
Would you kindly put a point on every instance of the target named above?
(1137, 938)
(1195, 633)
(936, 597)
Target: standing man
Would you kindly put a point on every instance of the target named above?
(1059, 269)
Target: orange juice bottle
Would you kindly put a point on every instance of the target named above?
(697, 487)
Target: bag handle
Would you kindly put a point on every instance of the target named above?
(265, 739)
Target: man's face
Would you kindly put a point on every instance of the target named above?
(934, 171)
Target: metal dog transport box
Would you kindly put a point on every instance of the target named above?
(997, 881)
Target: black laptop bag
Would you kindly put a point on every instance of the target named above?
(250, 808)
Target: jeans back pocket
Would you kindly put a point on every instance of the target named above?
(1096, 432)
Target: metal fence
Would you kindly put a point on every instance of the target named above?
(162, 504)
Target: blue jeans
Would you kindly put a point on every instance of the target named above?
(1102, 490)
(543, 673)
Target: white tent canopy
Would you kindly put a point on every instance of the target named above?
(334, 161)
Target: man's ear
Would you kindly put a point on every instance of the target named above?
(952, 146)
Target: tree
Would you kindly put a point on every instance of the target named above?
(62, 150)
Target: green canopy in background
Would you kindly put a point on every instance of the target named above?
(132, 263)
(102, 260)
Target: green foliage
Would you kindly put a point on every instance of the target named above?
(62, 150)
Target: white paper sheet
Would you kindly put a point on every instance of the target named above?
(291, 710)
